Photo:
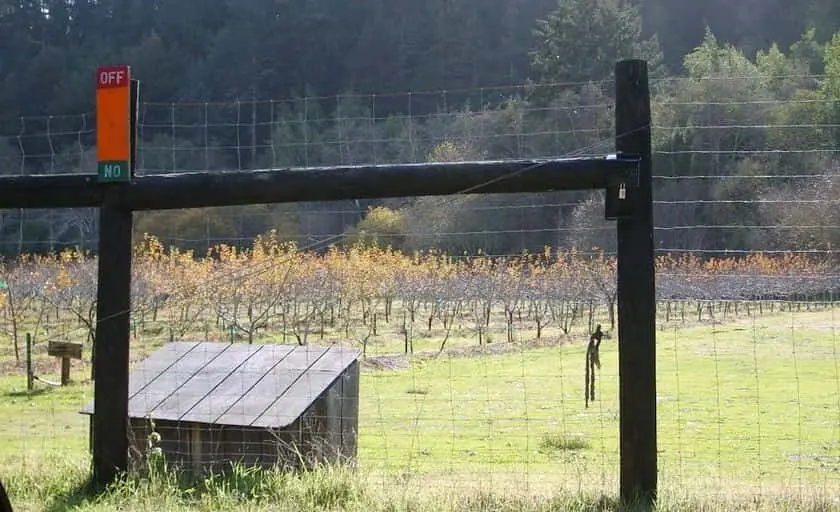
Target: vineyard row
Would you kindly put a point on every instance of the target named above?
(355, 289)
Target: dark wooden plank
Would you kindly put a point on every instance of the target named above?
(304, 390)
(174, 377)
(202, 383)
(636, 294)
(112, 338)
(200, 189)
(157, 363)
(237, 384)
(50, 191)
(265, 392)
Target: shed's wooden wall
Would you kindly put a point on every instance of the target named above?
(328, 429)
(350, 414)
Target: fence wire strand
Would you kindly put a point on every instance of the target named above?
(472, 373)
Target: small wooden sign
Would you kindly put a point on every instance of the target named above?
(65, 350)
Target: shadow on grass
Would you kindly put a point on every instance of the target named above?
(239, 488)
(91, 492)
(181, 485)
(86, 492)
(25, 394)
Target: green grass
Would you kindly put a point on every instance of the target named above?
(555, 442)
(61, 487)
(747, 408)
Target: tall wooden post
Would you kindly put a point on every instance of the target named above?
(636, 292)
(30, 381)
(110, 348)
(116, 134)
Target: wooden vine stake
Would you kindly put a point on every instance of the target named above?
(30, 381)
(593, 362)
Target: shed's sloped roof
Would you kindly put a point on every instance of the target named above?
(233, 384)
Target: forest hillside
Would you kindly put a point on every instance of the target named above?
(746, 114)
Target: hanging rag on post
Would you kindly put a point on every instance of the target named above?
(593, 361)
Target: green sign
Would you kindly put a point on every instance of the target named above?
(113, 171)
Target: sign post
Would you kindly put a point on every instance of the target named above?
(116, 102)
(113, 123)
(65, 351)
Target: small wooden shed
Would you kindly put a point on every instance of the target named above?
(214, 404)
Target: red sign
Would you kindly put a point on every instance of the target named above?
(112, 76)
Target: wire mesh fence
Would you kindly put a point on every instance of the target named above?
(472, 314)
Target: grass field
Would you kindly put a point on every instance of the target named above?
(749, 419)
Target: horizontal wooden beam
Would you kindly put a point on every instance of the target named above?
(192, 190)
(50, 191)
(206, 189)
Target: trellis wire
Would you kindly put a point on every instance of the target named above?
(61, 145)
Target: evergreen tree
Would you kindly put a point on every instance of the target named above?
(582, 40)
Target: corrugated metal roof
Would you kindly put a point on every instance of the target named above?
(233, 384)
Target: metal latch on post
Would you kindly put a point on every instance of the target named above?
(618, 203)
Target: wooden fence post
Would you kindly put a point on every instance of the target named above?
(109, 433)
(636, 292)
(5, 503)
(111, 343)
